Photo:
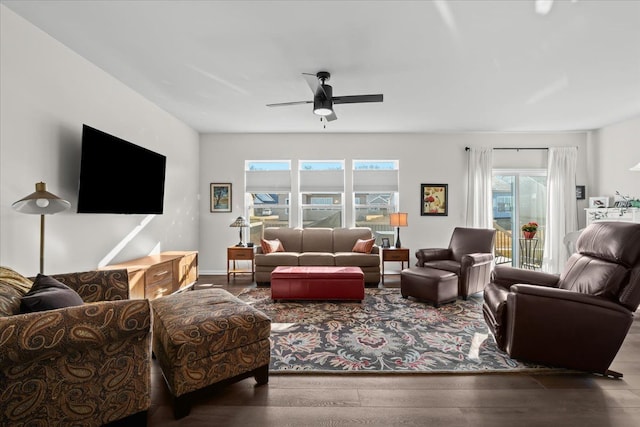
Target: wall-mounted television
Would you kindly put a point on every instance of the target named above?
(119, 177)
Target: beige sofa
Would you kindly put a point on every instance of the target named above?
(318, 246)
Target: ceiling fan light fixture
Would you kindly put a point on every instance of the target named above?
(323, 106)
(323, 111)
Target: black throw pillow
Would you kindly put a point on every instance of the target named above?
(48, 294)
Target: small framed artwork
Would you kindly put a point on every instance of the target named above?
(385, 242)
(580, 192)
(599, 202)
(434, 199)
(221, 197)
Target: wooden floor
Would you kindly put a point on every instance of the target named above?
(416, 400)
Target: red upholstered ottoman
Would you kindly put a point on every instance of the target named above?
(317, 283)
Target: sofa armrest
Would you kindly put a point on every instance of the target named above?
(566, 296)
(98, 285)
(29, 337)
(506, 276)
(476, 259)
(431, 254)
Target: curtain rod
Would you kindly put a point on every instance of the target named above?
(514, 148)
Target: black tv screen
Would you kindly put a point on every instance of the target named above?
(119, 177)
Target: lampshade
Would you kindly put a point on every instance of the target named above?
(240, 222)
(398, 219)
(41, 202)
(636, 168)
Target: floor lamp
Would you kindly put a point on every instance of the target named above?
(398, 219)
(41, 203)
(240, 222)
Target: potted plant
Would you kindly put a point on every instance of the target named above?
(529, 229)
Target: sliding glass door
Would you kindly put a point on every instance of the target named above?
(519, 197)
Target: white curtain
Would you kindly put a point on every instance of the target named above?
(561, 206)
(479, 193)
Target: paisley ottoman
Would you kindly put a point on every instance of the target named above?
(205, 338)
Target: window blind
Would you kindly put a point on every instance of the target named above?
(268, 181)
(372, 180)
(322, 181)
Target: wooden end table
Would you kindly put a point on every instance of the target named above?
(394, 255)
(240, 253)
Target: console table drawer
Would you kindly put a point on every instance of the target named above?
(395, 255)
(159, 273)
(240, 253)
(159, 289)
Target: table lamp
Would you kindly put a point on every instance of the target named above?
(398, 219)
(240, 222)
(42, 203)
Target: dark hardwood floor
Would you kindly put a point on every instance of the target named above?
(422, 400)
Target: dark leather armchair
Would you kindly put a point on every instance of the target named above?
(469, 256)
(579, 319)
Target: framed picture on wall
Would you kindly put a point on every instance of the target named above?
(434, 199)
(580, 192)
(220, 197)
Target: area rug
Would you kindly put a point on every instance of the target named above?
(383, 334)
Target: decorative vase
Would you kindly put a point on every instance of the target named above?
(529, 234)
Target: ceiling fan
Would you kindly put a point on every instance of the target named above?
(323, 98)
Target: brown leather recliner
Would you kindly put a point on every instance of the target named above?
(577, 320)
(469, 256)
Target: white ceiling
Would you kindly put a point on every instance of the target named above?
(443, 66)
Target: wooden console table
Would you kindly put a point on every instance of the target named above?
(154, 276)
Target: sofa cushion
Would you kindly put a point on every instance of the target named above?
(291, 238)
(345, 259)
(269, 246)
(594, 276)
(444, 264)
(13, 286)
(275, 259)
(364, 246)
(14, 279)
(345, 238)
(317, 240)
(48, 294)
(316, 258)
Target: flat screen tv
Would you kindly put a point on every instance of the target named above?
(119, 177)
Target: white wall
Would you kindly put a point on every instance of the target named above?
(48, 92)
(616, 148)
(424, 158)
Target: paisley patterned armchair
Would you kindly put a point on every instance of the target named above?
(83, 365)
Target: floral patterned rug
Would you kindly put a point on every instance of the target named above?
(383, 334)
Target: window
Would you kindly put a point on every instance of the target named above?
(375, 193)
(519, 197)
(268, 190)
(321, 193)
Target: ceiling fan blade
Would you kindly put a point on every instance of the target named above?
(353, 99)
(284, 104)
(314, 84)
(331, 117)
